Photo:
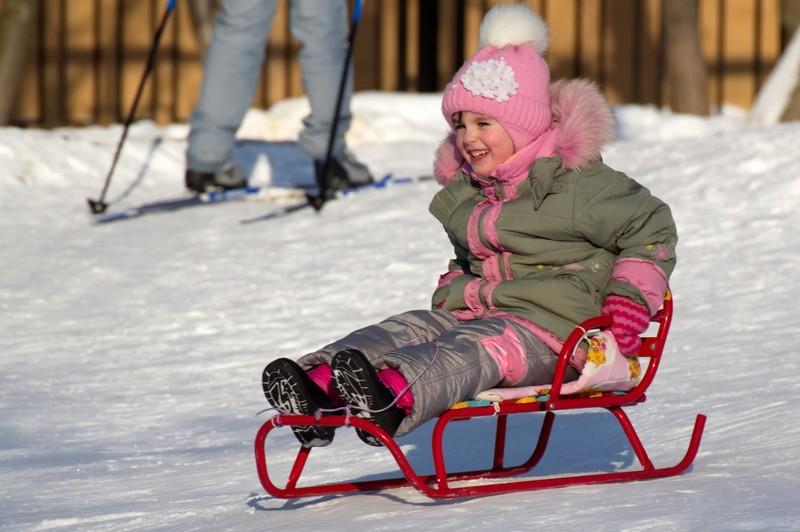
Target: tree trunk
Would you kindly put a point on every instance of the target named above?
(202, 15)
(790, 19)
(792, 111)
(686, 70)
(16, 23)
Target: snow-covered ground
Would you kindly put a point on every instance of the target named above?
(130, 353)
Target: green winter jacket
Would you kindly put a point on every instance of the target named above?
(565, 231)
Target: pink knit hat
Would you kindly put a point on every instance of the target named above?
(507, 79)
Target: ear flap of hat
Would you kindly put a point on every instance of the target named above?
(447, 161)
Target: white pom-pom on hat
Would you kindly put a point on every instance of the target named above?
(513, 24)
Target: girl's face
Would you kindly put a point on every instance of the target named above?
(482, 141)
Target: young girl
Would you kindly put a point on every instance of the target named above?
(545, 236)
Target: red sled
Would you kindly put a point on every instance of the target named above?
(500, 478)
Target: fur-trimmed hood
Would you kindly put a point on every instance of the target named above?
(582, 121)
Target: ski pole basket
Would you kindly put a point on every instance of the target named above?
(499, 478)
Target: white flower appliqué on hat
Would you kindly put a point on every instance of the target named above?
(492, 79)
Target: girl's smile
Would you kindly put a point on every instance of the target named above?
(482, 141)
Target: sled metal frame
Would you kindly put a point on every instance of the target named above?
(486, 481)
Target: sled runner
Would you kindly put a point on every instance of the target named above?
(499, 478)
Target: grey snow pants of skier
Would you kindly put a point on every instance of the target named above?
(233, 67)
(454, 360)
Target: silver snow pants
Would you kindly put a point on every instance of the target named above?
(454, 360)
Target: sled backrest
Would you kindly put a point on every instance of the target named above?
(652, 348)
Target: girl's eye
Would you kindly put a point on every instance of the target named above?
(484, 124)
(459, 126)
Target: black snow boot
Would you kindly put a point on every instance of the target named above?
(289, 389)
(343, 173)
(227, 179)
(358, 384)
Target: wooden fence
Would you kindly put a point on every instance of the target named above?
(87, 55)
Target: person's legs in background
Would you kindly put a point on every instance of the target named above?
(322, 29)
(230, 77)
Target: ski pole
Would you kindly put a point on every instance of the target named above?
(99, 206)
(323, 181)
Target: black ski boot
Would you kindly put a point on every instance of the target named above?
(289, 389)
(344, 172)
(358, 384)
(227, 179)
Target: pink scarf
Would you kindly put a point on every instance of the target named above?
(515, 169)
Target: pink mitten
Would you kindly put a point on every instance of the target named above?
(630, 319)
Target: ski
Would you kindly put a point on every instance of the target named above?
(386, 181)
(266, 194)
(169, 205)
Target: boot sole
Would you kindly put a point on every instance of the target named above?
(359, 386)
(290, 394)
